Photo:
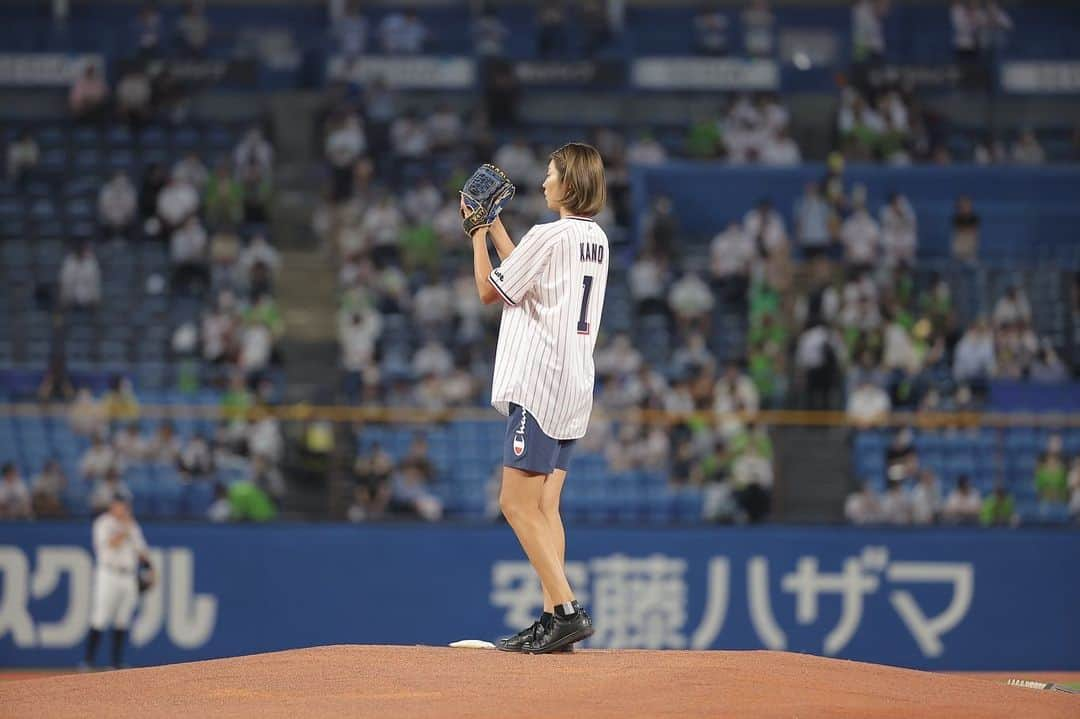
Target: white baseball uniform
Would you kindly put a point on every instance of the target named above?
(553, 284)
(116, 590)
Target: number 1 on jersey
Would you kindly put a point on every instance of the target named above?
(586, 290)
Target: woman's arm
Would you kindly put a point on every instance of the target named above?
(482, 267)
(501, 239)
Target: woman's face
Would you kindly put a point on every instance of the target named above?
(553, 187)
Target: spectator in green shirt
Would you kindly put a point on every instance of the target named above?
(265, 311)
(249, 503)
(752, 471)
(998, 509)
(1051, 475)
(237, 400)
(224, 198)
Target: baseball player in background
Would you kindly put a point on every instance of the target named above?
(119, 547)
(552, 285)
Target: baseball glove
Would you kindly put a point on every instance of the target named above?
(144, 575)
(483, 196)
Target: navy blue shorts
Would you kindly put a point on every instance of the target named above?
(527, 448)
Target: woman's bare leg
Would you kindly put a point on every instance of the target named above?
(520, 500)
(549, 506)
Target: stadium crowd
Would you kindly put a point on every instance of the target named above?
(834, 311)
(913, 494)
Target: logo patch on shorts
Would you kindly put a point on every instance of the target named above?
(519, 437)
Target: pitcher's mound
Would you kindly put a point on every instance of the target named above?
(388, 681)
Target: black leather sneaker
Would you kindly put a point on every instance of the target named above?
(515, 642)
(562, 634)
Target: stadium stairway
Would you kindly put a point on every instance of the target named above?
(307, 290)
(812, 498)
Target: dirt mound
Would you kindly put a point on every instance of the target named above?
(389, 681)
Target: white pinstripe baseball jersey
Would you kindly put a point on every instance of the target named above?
(553, 285)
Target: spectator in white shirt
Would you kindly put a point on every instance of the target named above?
(868, 36)
(14, 494)
(97, 459)
(133, 95)
(129, 444)
(780, 150)
(258, 264)
(864, 506)
(191, 170)
(617, 358)
(691, 301)
(489, 34)
(410, 137)
(895, 506)
(735, 392)
(868, 405)
(256, 346)
(117, 202)
(195, 459)
(432, 359)
(253, 152)
(350, 28)
(85, 415)
(422, 201)
(732, 254)
(403, 33)
(974, 357)
(818, 354)
(176, 202)
(188, 252)
(80, 278)
(1012, 307)
(812, 222)
(434, 306)
(711, 32)
(22, 157)
(861, 237)
(164, 446)
(1073, 480)
(648, 279)
(265, 440)
(344, 144)
(963, 504)
(899, 231)
(518, 160)
(106, 489)
(757, 22)
(383, 224)
(1027, 150)
(765, 228)
(925, 500)
(645, 150)
(445, 128)
(695, 357)
(899, 351)
(358, 333)
(963, 16)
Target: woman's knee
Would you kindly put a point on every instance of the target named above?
(549, 505)
(514, 504)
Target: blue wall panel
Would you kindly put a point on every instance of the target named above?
(936, 599)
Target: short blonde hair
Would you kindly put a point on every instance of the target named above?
(582, 173)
